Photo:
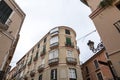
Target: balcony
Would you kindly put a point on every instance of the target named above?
(32, 73)
(69, 45)
(3, 27)
(54, 33)
(41, 68)
(71, 60)
(54, 45)
(53, 61)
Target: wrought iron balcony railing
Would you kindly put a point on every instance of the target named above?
(71, 60)
(54, 45)
(69, 44)
(53, 61)
(32, 73)
(41, 68)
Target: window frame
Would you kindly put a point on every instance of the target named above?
(5, 13)
(100, 75)
(67, 31)
(75, 74)
(53, 74)
(53, 54)
(87, 70)
(52, 41)
(96, 64)
(40, 77)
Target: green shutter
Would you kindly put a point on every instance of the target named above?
(68, 41)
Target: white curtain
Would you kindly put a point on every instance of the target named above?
(53, 54)
(54, 40)
(72, 73)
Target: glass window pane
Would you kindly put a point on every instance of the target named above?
(54, 40)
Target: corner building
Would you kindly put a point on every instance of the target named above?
(11, 20)
(54, 57)
(106, 17)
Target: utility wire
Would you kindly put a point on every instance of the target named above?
(86, 35)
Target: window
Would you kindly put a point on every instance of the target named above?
(99, 76)
(72, 74)
(118, 6)
(69, 53)
(32, 50)
(54, 74)
(68, 40)
(38, 45)
(43, 49)
(87, 70)
(40, 77)
(54, 40)
(96, 64)
(45, 40)
(67, 31)
(53, 54)
(117, 25)
(5, 11)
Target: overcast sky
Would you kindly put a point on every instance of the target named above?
(43, 15)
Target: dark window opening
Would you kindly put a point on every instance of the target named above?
(54, 74)
(38, 45)
(32, 50)
(44, 40)
(99, 75)
(96, 64)
(40, 77)
(67, 31)
(87, 71)
(5, 11)
(118, 6)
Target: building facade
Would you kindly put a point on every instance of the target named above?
(93, 70)
(54, 57)
(11, 19)
(106, 17)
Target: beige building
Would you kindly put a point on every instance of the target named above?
(54, 57)
(106, 17)
(11, 19)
